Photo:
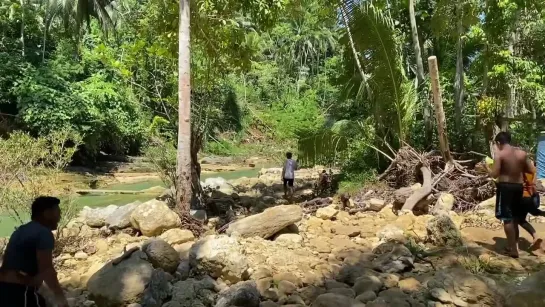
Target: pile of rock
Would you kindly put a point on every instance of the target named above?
(278, 257)
(139, 216)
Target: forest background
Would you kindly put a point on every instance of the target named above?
(338, 82)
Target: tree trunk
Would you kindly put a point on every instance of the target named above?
(511, 92)
(353, 47)
(459, 82)
(416, 46)
(22, 3)
(184, 167)
(439, 113)
(420, 77)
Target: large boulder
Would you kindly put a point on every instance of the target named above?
(121, 217)
(267, 223)
(133, 280)
(154, 217)
(443, 232)
(162, 255)
(96, 217)
(243, 294)
(529, 293)
(461, 288)
(220, 256)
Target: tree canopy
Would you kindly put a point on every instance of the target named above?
(339, 80)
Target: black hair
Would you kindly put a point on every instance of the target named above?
(503, 138)
(42, 204)
(289, 155)
(323, 171)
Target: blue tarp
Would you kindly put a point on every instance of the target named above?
(540, 157)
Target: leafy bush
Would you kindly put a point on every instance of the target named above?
(162, 154)
(30, 167)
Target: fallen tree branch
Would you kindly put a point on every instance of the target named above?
(422, 192)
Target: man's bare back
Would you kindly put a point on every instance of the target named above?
(513, 163)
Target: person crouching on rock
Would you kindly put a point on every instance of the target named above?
(28, 259)
(529, 204)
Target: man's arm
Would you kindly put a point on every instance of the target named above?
(283, 170)
(494, 172)
(530, 167)
(44, 255)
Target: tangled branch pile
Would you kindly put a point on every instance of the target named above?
(466, 180)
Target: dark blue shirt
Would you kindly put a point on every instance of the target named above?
(20, 254)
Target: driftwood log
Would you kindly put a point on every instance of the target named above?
(422, 192)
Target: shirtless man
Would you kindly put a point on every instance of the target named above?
(509, 166)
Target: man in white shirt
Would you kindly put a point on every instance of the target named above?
(288, 174)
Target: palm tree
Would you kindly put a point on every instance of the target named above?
(184, 170)
(75, 13)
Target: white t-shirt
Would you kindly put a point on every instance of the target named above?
(289, 169)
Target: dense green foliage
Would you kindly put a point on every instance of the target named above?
(280, 72)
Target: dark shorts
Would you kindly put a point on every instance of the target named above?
(508, 197)
(288, 182)
(15, 295)
(527, 205)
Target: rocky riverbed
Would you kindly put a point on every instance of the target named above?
(278, 254)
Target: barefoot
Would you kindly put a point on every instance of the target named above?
(536, 244)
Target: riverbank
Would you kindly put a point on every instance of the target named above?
(136, 175)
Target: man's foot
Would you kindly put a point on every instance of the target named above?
(508, 252)
(536, 244)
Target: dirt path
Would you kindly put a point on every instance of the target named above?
(494, 240)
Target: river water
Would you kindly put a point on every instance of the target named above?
(7, 224)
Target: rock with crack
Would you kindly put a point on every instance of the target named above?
(243, 294)
(443, 232)
(153, 218)
(132, 280)
(268, 223)
(220, 256)
(461, 288)
(162, 255)
(396, 259)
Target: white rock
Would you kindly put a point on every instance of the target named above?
(289, 238)
(375, 204)
(81, 255)
(267, 223)
(327, 213)
(177, 236)
(220, 257)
